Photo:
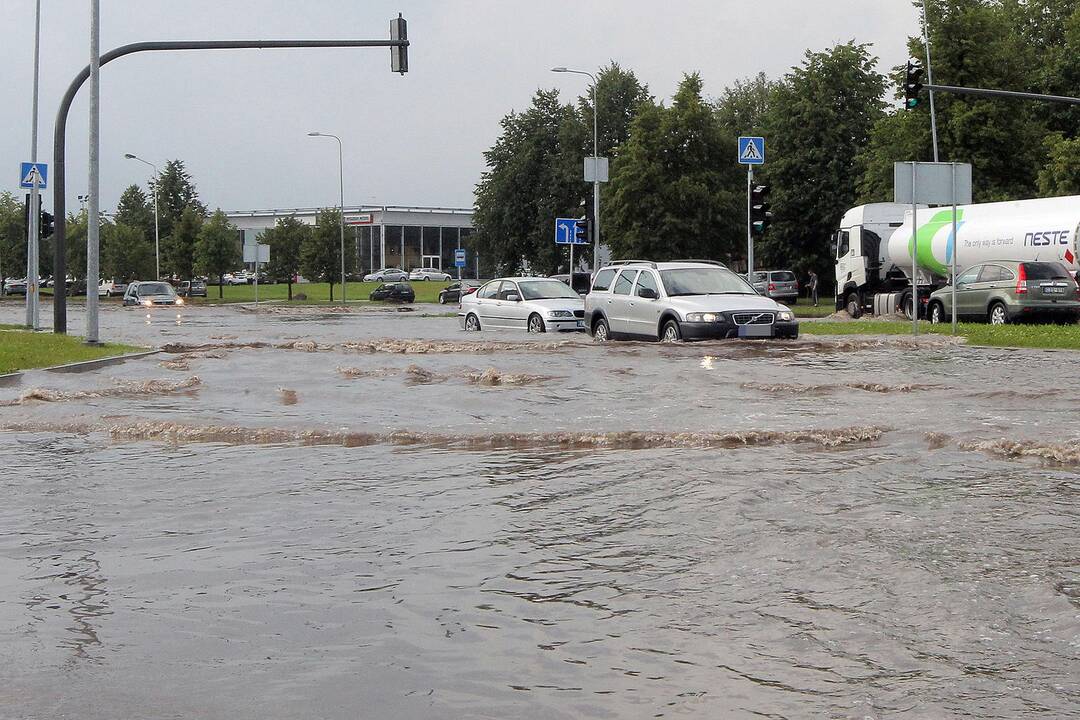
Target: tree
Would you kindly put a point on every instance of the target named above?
(1061, 174)
(134, 210)
(176, 191)
(821, 114)
(12, 238)
(179, 246)
(742, 107)
(127, 253)
(75, 244)
(286, 240)
(620, 96)
(320, 250)
(217, 249)
(676, 190)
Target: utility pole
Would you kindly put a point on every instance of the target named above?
(34, 216)
(929, 78)
(93, 221)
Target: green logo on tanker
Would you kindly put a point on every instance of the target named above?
(926, 241)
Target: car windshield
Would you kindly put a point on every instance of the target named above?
(1045, 271)
(704, 281)
(546, 290)
(154, 288)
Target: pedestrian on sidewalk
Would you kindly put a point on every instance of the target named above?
(812, 284)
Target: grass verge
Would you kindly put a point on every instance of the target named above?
(426, 291)
(804, 310)
(24, 350)
(1060, 337)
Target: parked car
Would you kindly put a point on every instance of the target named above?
(387, 275)
(779, 285)
(1007, 291)
(15, 286)
(394, 292)
(111, 288)
(237, 278)
(191, 288)
(581, 283)
(151, 293)
(534, 304)
(681, 300)
(455, 290)
(429, 274)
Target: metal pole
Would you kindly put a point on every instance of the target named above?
(914, 252)
(955, 247)
(596, 185)
(749, 226)
(341, 214)
(929, 78)
(32, 231)
(157, 232)
(1005, 93)
(94, 220)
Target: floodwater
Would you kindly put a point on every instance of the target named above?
(341, 515)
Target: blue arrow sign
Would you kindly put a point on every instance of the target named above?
(566, 231)
(27, 172)
(751, 151)
(459, 258)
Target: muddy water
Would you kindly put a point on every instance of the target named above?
(362, 527)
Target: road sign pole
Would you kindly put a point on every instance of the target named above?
(915, 251)
(955, 247)
(571, 263)
(93, 224)
(33, 221)
(749, 226)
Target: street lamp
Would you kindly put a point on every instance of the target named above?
(596, 169)
(341, 207)
(157, 237)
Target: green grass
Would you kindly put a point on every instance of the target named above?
(1064, 337)
(805, 310)
(23, 350)
(427, 291)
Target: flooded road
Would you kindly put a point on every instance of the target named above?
(311, 514)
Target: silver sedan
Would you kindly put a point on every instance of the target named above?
(533, 304)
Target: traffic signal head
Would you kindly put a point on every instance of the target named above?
(760, 217)
(581, 230)
(912, 84)
(45, 225)
(399, 55)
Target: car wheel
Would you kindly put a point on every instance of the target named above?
(853, 306)
(472, 323)
(671, 332)
(600, 331)
(937, 313)
(998, 315)
(442, 299)
(536, 323)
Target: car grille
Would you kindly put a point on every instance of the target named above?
(765, 318)
(579, 313)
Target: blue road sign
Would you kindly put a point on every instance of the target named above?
(568, 232)
(751, 151)
(27, 171)
(459, 258)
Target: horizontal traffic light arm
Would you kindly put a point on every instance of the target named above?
(1003, 93)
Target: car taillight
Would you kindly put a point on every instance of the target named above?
(772, 287)
(1021, 281)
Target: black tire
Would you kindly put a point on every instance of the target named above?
(536, 324)
(442, 299)
(853, 306)
(671, 332)
(472, 323)
(600, 331)
(906, 306)
(997, 314)
(936, 312)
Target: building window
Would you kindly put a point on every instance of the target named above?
(432, 257)
(449, 245)
(393, 247)
(412, 254)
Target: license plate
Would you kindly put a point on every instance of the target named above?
(754, 331)
(1054, 290)
(581, 323)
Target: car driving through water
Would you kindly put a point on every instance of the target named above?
(534, 304)
(150, 294)
(681, 300)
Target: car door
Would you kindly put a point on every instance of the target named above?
(643, 313)
(514, 312)
(990, 279)
(966, 290)
(486, 301)
(619, 301)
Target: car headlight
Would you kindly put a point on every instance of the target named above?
(703, 317)
(785, 316)
(560, 314)
(179, 301)
(147, 303)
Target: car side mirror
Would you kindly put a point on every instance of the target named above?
(647, 293)
(513, 298)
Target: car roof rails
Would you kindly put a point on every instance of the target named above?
(704, 262)
(633, 262)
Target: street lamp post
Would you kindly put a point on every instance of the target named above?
(157, 237)
(596, 169)
(341, 207)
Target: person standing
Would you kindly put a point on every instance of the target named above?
(812, 284)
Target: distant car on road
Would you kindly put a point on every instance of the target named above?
(582, 281)
(393, 292)
(238, 278)
(533, 304)
(781, 285)
(387, 275)
(455, 290)
(1007, 291)
(192, 288)
(15, 286)
(152, 293)
(429, 274)
(111, 288)
(673, 301)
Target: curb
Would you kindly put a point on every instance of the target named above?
(100, 362)
(9, 379)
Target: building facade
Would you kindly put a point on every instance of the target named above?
(389, 236)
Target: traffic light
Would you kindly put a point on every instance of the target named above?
(581, 231)
(912, 84)
(399, 55)
(45, 225)
(760, 217)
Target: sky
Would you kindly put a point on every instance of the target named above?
(239, 118)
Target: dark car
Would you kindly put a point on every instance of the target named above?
(581, 284)
(395, 292)
(453, 292)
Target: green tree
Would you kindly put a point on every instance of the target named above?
(127, 253)
(620, 96)
(320, 250)
(285, 240)
(1061, 174)
(821, 114)
(676, 190)
(217, 250)
(135, 210)
(12, 238)
(179, 248)
(75, 243)
(176, 191)
(742, 107)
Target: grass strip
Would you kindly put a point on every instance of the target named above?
(1057, 337)
(24, 350)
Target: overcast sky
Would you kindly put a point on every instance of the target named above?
(239, 118)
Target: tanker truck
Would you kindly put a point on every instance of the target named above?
(874, 247)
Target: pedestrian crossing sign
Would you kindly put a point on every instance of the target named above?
(28, 172)
(751, 151)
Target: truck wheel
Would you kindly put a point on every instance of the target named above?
(937, 313)
(906, 306)
(853, 306)
(998, 315)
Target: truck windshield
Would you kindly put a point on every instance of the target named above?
(704, 281)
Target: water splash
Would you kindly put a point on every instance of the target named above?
(122, 388)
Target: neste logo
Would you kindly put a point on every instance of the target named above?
(1046, 237)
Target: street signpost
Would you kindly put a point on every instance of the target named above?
(29, 173)
(751, 153)
(254, 252)
(33, 176)
(568, 231)
(459, 261)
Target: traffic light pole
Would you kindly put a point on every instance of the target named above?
(749, 223)
(34, 219)
(60, 130)
(1004, 93)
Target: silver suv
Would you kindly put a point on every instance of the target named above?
(680, 300)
